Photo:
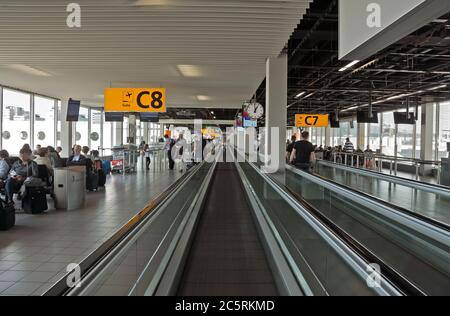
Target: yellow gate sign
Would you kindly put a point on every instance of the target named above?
(311, 120)
(135, 100)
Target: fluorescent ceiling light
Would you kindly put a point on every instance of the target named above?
(29, 70)
(203, 98)
(438, 87)
(300, 94)
(190, 70)
(349, 65)
(440, 20)
(309, 95)
(152, 2)
(212, 112)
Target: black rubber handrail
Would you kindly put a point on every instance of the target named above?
(391, 275)
(397, 208)
(61, 288)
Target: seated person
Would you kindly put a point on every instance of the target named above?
(43, 159)
(77, 159)
(4, 166)
(54, 157)
(20, 171)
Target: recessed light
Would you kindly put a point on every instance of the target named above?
(152, 2)
(30, 70)
(190, 70)
(203, 98)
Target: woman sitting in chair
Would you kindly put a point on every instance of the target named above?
(43, 159)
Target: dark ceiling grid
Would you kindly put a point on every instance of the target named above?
(417, 62)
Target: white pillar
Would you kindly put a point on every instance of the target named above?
(327, 137)
(132, 128)
(145, 132)
(67, 130)
(426, 137)
(361, 136)
(118, 139)
(276, 107)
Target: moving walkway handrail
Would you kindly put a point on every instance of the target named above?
(398, 215)
(373, 199)
(128, 230)
(402, 283)
(388, 157)
(357, 261)
(423, 186)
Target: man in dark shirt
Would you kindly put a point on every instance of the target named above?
(290, 147)
(303, 153)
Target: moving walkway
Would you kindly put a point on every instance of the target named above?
(406, 243)
(230, 229)
(425, 199)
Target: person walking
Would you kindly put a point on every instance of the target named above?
(303, 153)
(147, 154)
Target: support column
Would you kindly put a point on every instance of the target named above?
(118, 139)
(276, 112)
(327, 137)
(144, 135)
(132, 128)
(361, 136)
(426, 138)
(67, 130)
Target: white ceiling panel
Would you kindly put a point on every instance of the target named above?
(142, 43)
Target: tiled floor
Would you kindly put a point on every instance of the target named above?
(35, 253)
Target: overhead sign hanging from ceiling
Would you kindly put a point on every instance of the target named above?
(367, 26)
(135, 100)
(311, 120)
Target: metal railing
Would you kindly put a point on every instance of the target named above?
(374, 162)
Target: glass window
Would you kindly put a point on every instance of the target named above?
(107, 137)
(95, 133)
(405, 141)
(139, 134)
(345, 131)
(125, 130)
(44, 121)
(418, 133)
(117, 135)
(82, 128)
(58, 125)
(444, 129)
(16, 120)
(388, 134)
(373, 135)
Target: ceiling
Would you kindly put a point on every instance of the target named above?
(415, 64)
(222, 46)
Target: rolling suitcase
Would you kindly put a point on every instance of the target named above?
(92, 181)
(35, 200)
(7, 215)
(101, 178)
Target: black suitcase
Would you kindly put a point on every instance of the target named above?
(101, 178)
(35, 200)
(7, 215)
(92, 181)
